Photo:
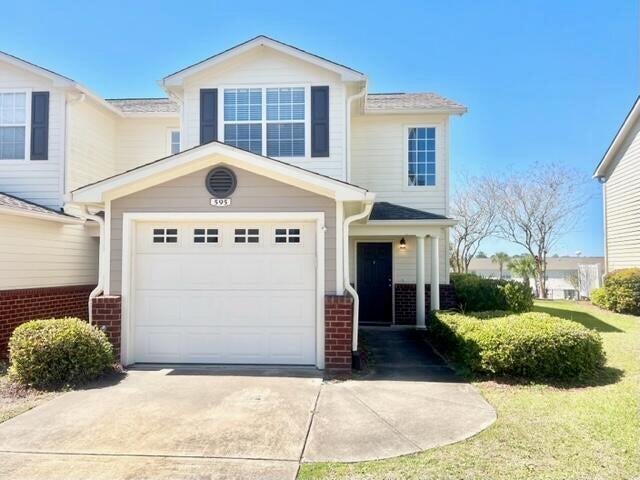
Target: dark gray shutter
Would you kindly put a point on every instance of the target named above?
(39, 125)
(208, 115)
(319, 121)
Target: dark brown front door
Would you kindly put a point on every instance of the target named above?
(374, 283)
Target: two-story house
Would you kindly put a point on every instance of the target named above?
(259, 213)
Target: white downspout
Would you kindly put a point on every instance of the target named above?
(347, 163)
(345, 252)
(84, 213)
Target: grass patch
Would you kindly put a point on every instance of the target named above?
(543, 432)
(16, 399)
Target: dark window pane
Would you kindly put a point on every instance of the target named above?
(240, 240)
(294, 239)
(253, 239)
(212, 231)
(281, 239)
(198, 239)
(240, 231)
(172, 239)
(158, 239)
(254, 231)
(212, 239)
(172, 231)
(198, 231)
(158, 231)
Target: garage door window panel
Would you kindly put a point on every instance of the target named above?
(165, 235)
(247, 235)
(206, 236)
(285, 235)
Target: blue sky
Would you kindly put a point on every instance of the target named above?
(543, 80)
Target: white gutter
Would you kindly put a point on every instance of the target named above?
(345, 252)
(347, 163)
(101, 258)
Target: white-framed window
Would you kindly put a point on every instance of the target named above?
(421, 156)
(268, 121)
(287, 235)
(243, 118)
(173, 141)
(246, 235)
(206, 235)
(14, 125)
(165, 235)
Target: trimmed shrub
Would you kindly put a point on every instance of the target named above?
(56, 352)
(529, 345)
(599, 297)
(622, 291)
(477, 294)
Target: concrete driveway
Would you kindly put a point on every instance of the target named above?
(222, 423)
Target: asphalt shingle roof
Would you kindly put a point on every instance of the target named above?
(391, 211)
(15, 203)
(390, 102)
(144, 105)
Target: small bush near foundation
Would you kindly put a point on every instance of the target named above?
(598, 297)
(477, 294)
(529, 345)
(622, 291)
(56, 352)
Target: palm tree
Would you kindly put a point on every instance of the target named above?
(500, 258)
(523, 266)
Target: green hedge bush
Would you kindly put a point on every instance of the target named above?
(479, 294)
(599, 297)
(528, 345)
(56, 352)
(622, 291)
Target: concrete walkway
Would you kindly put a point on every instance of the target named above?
(245, 423)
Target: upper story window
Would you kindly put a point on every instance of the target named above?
(268, 121)
(13, 125)
(421, 153)
(174, 142)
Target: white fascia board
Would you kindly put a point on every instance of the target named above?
(619, 139)
(209, 155)
(424, 111)
(41, 216)
(345, 73)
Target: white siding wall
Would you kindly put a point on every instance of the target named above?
(265, 67)
(92, 141)
(38, 253)
(622, 206)
(379, 159)
(142, 140)
(403, 261)
(39, 180)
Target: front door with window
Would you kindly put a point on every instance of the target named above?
(375, 283)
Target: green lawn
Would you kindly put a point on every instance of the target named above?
(542, 432)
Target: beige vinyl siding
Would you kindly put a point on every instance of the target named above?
(38, 180)
(92, 143)
(403, 261)
(622, 206)
(39, 253)
(264, 67)
(143, 140)
(253, 194)
(378, 160)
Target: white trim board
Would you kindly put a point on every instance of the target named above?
(129, 223)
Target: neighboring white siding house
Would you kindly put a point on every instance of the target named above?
(619, 171)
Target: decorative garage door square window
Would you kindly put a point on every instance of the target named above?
(205, 235)
(165, 235)
(422, 156)
(13, 125)
(268, 121)
(247, 235)
(287, 235)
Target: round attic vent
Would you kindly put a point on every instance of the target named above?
(221, 182)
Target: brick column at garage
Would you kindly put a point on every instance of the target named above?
(107, 315)
(338, 311)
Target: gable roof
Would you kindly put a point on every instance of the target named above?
(624, 130)
(207, 155)
(57, 78)
(133, 106)
(411, 103)
(12, 205)
(347, 73)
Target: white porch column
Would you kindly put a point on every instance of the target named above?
(435, 274)
(420, 303)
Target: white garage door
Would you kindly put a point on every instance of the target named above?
(225, 293)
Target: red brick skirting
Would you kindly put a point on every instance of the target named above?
(107, 315)
(19, 306)
(338, 315)
(405, 301)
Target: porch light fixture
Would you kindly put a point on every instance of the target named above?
(403, 244)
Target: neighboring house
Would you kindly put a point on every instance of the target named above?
(567, 277)
(619, 173)
(240, 215)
